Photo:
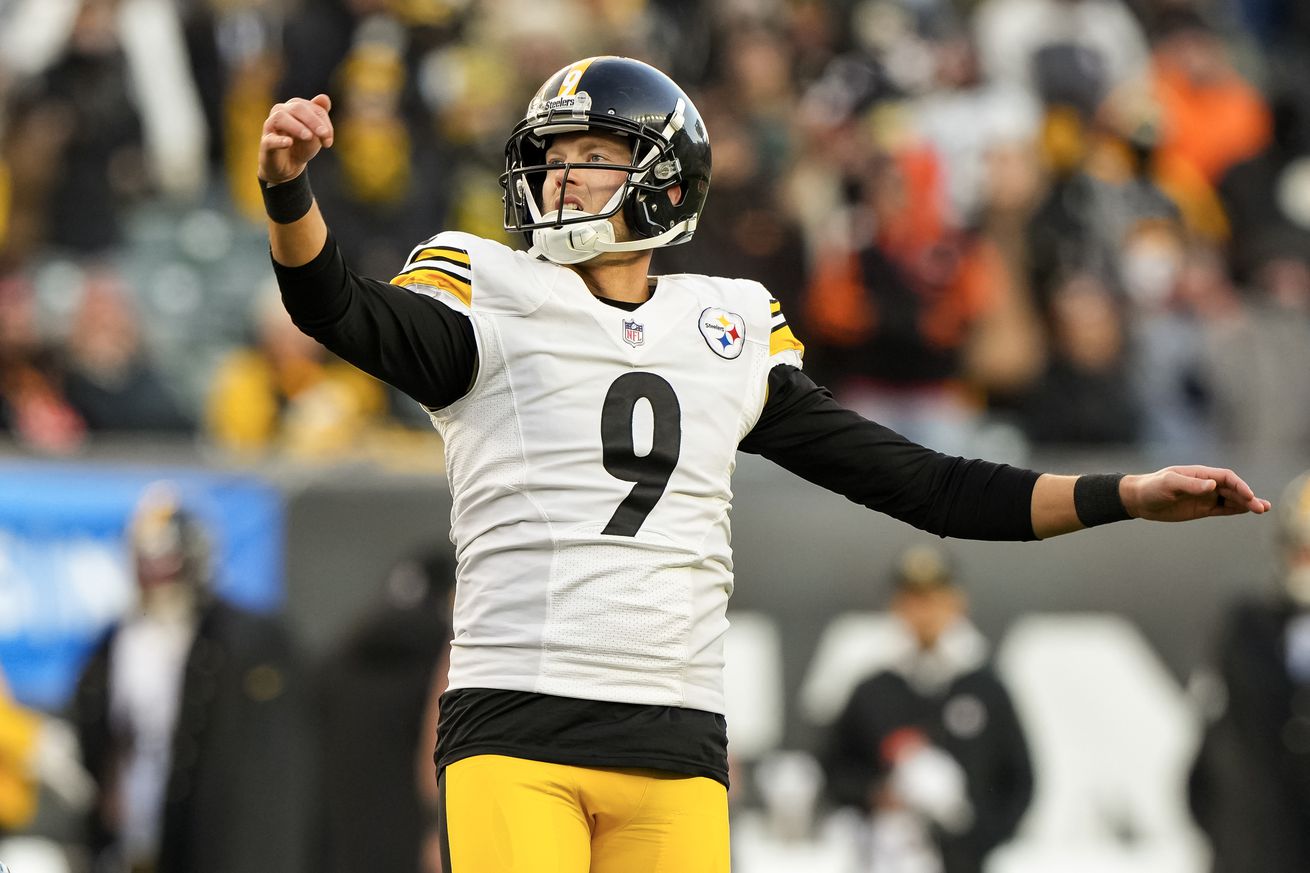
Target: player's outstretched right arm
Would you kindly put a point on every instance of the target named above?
(294, 132)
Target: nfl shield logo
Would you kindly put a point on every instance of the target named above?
(633, 334)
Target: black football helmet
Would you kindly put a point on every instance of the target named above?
(671, 148)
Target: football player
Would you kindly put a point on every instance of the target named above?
(591, 415)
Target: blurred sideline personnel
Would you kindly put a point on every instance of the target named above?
(1250, 787)
(931, 746)
(191, 715)
(591, 415)
(374, 691)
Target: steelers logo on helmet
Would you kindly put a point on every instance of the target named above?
(666, 179)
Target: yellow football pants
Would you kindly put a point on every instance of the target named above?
(511, 815)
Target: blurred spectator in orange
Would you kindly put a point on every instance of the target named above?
(1210, 117)
(110, 379)
(33, 407)
(1085, 396)
(287, 393)
(897, 315)
(1250, 785)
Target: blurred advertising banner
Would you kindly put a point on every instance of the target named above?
(64, 569)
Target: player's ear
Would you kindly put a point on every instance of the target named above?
(675, 195)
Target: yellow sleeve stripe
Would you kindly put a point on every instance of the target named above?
(442, 253)
(781, 339)
(436, 278)
(774, 307)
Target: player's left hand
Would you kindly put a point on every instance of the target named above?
(1186, 493)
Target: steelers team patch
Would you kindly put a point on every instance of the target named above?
(724, 332)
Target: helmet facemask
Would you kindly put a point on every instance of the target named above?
(570, 236)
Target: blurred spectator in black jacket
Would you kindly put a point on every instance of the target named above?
(110, 379)
(192, 716)
(1267, 198)
(101, 148)
(377, 743)
(931, 747)
(1250, 786)
(1084, 397)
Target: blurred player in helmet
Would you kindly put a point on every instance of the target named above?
(1250, 786)
(191, 716)
(591, 415)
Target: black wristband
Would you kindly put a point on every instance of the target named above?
(1096, 499)
(288, 201)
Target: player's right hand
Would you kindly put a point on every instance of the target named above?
(293, 134)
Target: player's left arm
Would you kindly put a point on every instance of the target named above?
(804, 430)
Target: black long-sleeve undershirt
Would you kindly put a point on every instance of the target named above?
(420, 346)
(429, 351)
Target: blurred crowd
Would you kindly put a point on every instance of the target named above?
(1033, 221)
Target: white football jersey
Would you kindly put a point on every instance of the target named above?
(590, 466)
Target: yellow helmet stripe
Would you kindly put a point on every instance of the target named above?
(569, 86)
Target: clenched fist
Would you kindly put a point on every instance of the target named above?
(293, 134)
